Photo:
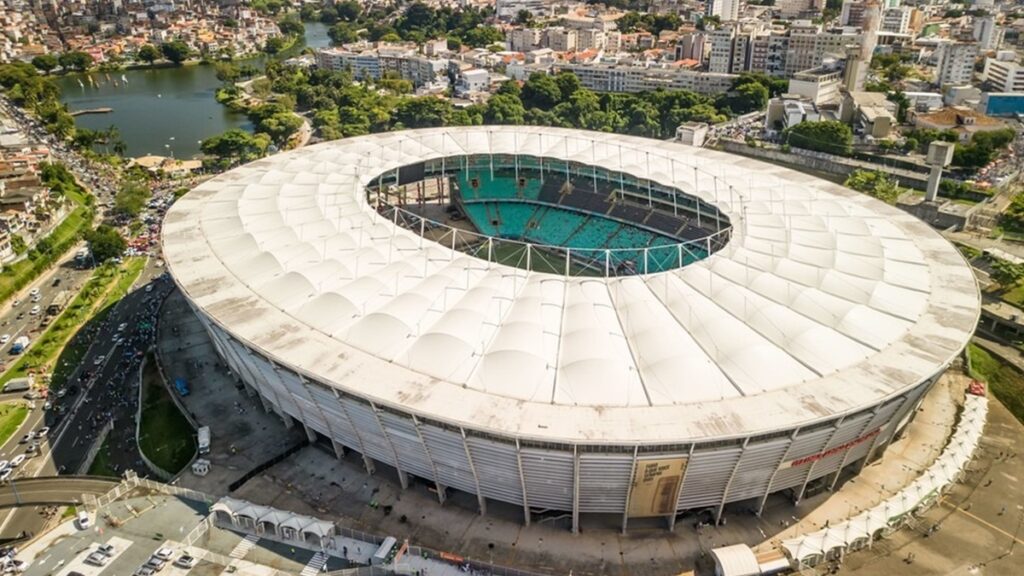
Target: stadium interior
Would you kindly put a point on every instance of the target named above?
(550, 215)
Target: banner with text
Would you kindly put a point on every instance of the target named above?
(656, 485)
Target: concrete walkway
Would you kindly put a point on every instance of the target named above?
(904, 461)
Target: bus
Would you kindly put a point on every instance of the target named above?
(60, 302)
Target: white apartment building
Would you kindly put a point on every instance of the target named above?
(561, 39)
(374, 63)
(614, 77)
(987, 33)
(721, 43)
(590, 38)
(954, 63)
(1003, 75)
(472, 81)
(691, 46)
(524, 39)
(727, 10)
(509, 9)
(897, 20)
(809, 46)
(819, 85)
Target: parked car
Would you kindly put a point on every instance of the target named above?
(83, 520)
(185, 561)
(25, 438)
(17, 460)
(155, 564)
(34, 311)
(5, 474)
(97, 559)
(106, 549)
(5, 339)
(143, 571)
(164, 554)
(42, 432)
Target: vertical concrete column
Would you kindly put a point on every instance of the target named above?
(310, 433)
(575, 490)
(266, 404)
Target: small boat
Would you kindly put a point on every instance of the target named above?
(159, 95)
(124, 79)
(108, 76)
(80, 85)
(115, 84)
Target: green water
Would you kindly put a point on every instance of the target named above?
(164, 110)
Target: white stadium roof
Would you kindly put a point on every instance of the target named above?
(824, 301)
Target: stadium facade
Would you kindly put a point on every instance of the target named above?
(783, 346)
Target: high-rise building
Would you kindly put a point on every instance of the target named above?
(727, 10)
(954, 63)
(809, 45)
(986, 33)
(897, 20)
(852, 13)
(1002, 75)
(720, 42)
(691, 46)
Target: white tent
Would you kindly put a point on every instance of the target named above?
(735, 560)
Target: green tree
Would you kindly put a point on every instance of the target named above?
(105, 242)
(148, 53)
(291, 25)
(237, 144)
(874, 183)
(504, 109)
(1006, 274)
(541, 91)
(75, 60)
(131, 198)
(423, 112)
(831, 136)
(175, 51)
(45, 63)
(280, 126)
(274, 44)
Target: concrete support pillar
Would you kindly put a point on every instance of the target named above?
(368, 463)
(310, 433)
(403, 479)
(339, 449)
(934, 177)
(575, 490)
(266, 404)
(289, 422)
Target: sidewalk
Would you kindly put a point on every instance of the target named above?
(904, 461)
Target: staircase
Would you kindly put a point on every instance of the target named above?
(243, 547)
(316, 563)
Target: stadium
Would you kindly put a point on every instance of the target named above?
(577, 324)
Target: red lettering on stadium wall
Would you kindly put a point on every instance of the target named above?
(830, 451)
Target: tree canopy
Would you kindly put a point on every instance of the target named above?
(75, 60)
(874, 183)
(131, 198)
(105, 242)
(176, 51)
(149, 53)
(237, 144)
(45, 62)
(831, 136)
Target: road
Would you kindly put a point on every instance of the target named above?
(53, 490)
(107, 380)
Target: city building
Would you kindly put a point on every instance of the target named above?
(987, 33)
(509, 9)
(1002, 75)
(897, 20)
(638, 395)
(691, 46)
(472, 81)
(374, 63)
(616, 77)
(819, 85)
(954, 63)
(727, 10)
(871, 114)
(692, 133)
(789, 110)
(963, 120)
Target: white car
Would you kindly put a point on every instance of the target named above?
(34, 292)
(17, 460)
(99, 360)
(37, 297)
(16, 303)
(5, 339)
(122, 326)
(42, 432)
(97, 559)
(4, 464)
(164, 554)
(5, 474)
(83, 520)
(34, 311)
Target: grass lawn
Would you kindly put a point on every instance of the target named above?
(106, 282)
(101, 464)
(1004, 381)
(63, 237)
(165, 436)
(12, 414)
